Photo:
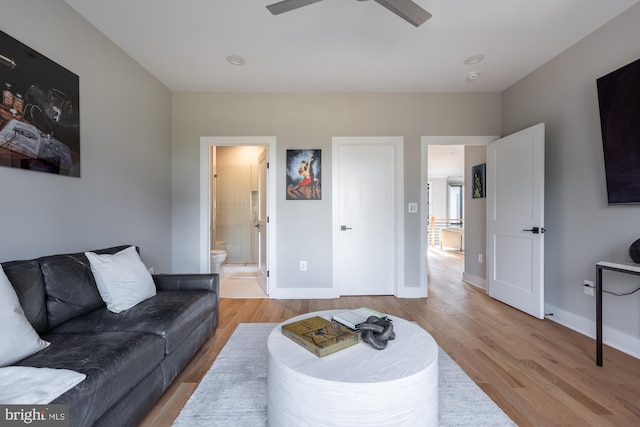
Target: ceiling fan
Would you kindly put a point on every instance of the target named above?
(405, 9)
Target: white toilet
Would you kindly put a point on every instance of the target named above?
(218, 256)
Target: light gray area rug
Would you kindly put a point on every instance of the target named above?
(234, 391)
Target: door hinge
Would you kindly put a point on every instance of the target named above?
(267, 220)
(267, 273)
(267, 165)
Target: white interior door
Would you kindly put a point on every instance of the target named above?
(515, 220)
(366, 198)
(261, 221)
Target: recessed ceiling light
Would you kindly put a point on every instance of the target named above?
(473, 76)
(474, 59)
(236, 60)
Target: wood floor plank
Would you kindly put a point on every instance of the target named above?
(539, 372)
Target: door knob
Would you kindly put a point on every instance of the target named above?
(535, 230)
(344, 228)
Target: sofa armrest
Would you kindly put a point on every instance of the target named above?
(182, 282)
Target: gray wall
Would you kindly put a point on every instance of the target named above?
(140, 148)
(310, 121)
(438, 197)
(124, 192)
(581, 228)
(475, 218)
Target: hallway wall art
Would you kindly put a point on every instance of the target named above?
(478, 176)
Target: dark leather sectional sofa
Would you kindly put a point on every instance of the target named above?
(130, 358)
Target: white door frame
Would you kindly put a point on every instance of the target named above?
(206, 142)
(261, 221)
(398, 144)
(424, 178)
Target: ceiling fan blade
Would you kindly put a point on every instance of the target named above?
(287, 5)
(407, 10)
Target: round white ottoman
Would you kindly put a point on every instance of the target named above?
(357, 386)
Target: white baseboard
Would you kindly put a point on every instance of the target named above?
(476, 281)
(330, 293)
(413, 292)
(611, 337)
(299, 293)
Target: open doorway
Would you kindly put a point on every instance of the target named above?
(236, 188)
(446, 205)
(467, 236)
(235, 203)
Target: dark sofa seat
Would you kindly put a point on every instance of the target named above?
(170, 315)
(112, 362)
(130, 358)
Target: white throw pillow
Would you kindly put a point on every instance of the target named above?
(18, 338)
(123, 280)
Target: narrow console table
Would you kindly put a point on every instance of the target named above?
(612, 266)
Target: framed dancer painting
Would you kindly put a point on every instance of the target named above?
(304, 174)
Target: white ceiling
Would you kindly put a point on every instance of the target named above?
(446, 161)
(344, 45)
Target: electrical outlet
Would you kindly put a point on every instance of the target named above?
(480, 259)
(588, 288)
(303, 265)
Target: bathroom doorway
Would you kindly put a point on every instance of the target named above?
(235, 203)
(234, 210)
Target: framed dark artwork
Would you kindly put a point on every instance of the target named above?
(304, 175)
(39, 112)
(478, 177)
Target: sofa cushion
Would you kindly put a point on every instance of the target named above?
(122, 279)
(26, 279)
(171, 315)
(114, 363)
(18, 339)
(70, 287)
(132, 408)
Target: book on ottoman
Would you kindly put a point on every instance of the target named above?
(352, 319)
(320, 336)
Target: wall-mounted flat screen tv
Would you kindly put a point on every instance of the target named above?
(619, 102)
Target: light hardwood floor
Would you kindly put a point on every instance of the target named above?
(538, 372)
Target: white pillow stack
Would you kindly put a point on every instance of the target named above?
(122, 279)
(18, 339)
